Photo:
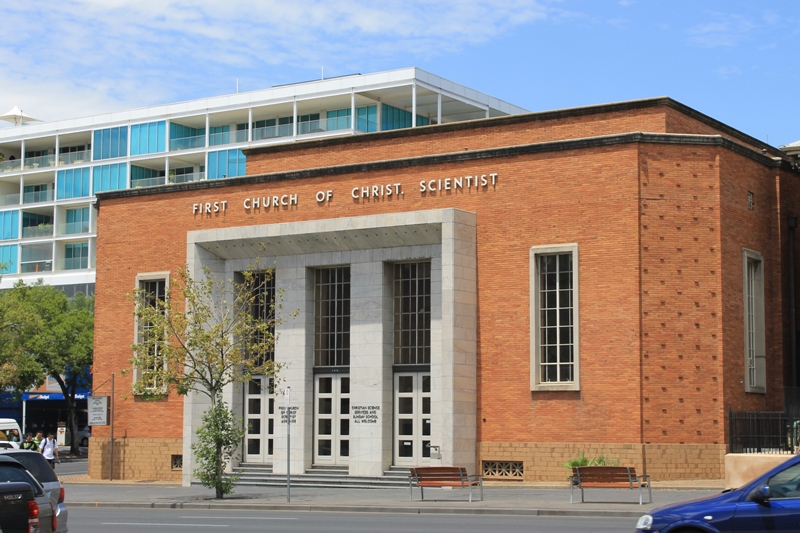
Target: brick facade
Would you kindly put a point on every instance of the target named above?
(660, 220)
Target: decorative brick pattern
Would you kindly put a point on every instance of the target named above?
(544, 461)
(135, 459)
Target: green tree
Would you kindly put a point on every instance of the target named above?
(45, 334)
(218, 440)
(204, 335)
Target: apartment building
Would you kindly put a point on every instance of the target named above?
(50, 172)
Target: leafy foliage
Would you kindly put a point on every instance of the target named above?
(42, 333)
(218, 440)
(582, 460)
(204, 335)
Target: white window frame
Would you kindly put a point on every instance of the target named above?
(755, 352)
(535, 370)
(148, 276)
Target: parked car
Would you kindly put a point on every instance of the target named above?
(9, 430)
(40, 515)
(83, 436)
(770, 502)
(40, 469)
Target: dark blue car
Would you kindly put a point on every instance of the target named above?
(770, 502)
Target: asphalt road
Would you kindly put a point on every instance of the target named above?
(125, 520)
(69, 468)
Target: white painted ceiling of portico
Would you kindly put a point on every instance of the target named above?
(320, 241)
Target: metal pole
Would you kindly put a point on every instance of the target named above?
(288, 447)
(792, 308)
(111, 446)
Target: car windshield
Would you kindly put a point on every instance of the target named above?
(12, 473)
(36, 464)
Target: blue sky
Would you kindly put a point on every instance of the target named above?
(730, 59)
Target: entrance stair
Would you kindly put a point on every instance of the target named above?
(261, 475)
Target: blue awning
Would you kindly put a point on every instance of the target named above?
(34, 396)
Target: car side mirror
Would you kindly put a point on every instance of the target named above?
(760, 495)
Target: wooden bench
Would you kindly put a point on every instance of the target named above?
(608, 477)
(442, 476)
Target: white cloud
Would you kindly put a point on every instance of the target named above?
(68, 58)
(725, 30)
(727, 72)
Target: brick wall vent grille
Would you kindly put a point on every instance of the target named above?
(503, 469)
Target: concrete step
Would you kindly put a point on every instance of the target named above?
(317, 476)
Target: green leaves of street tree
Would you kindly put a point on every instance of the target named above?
(218, 441)
(205, 335)
(42, 333)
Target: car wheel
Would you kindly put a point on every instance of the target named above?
(85, 442)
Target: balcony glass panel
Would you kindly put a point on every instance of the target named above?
(39, 162)
(38, 196)
(271, 132)
(44, 230)
(9, 199)
(75, 158)
(227, 137)
(76, 263)
(149, 182)
(10, 166)
(36, 266)
(366, 125)
(337, 123)
(187, 143)
(73, 228)
(184, 178)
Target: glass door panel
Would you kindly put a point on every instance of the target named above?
(259, 419)
(332, 419)
(412, 419)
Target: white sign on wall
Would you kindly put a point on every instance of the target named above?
(98, 410)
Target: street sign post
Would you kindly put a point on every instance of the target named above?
(288, 446)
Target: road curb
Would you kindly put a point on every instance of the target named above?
(364, 509)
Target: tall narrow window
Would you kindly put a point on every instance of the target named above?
(332, 317)
(754, 336)
(153, 293)
(412, 313)
(263, 308)
(554, 318)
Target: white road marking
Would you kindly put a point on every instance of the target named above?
(195, 517)
(158, 524)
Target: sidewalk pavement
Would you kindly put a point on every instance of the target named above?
(532, 499)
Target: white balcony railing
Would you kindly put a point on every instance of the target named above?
(184, 178)
(75, 158)
(39, 162)
(187, 143)
(36, 197)
(74, 263)
(36, 266)
(228, 137)
(148, 182)
(43, 230)
(10, 166)
(9, 199)
(73, 228)
(271, 132)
